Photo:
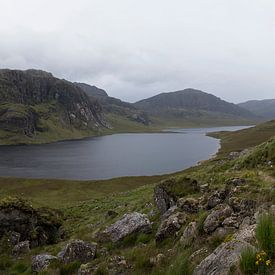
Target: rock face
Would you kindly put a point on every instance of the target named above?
(189, 205)
(29, 98)
(189, 234)
(162, 199)
(41, 262)
(78, 250)
(226, 255)
(216, 217)
(130, 223)
(170, 226)
(38, 226)
(21, 249)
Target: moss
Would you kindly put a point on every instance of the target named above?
(16, 203)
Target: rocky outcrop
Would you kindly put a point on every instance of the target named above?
(41, 262)
(226, 255)
(21, 249)
(170, 226)
(77, 250)
(162, 199)
(189, 205)
(129, 224)
(28, 98)
(189, 234)
(38, 226)
(216, 217)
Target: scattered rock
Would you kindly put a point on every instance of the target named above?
(236, 181)
(226, 255)
(189, 205)
(21, 249)
(170, 226)
(204, 188)
(41, 262)
(78, 250)
(162, 199)
(39, 226)
(158, 260)
(217, 198)
(189, 234)
(221, 233)
(231, 221)
(216, 217)
(198, 253)
(130, 223)
(172, 210)
(233, 155)
(245, 223)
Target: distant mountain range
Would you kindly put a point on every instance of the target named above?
(263, 108)
(192, 104)
(36, 107)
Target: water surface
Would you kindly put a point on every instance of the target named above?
(111, 156)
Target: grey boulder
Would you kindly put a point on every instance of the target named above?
(41, 262)
(129, 224)
(216, 217)
(78, 250)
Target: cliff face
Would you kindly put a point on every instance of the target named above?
(34, 102)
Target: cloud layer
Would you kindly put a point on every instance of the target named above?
(135, 49)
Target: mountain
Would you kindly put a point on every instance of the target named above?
(38, 107)
(263, 108)
(192, 105)
(91, 90)
(115, 108)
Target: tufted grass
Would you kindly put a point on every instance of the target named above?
(248, 261)
(265, 234)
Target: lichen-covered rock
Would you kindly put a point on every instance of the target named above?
(231, 221)
(78, 250)
(226, 255)
(162, 199)
(130, 223)
(216, 198)
(236, 181)
(41, 262)
(39, 226)
(189, 234)
(216, 217)
(189, 205)
(21, 249)
(170, 226)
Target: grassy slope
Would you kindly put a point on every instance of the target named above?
(85, 204)
(240, 140)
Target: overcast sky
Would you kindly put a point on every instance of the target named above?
(138, 48)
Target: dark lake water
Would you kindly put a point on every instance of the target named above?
(111, 156)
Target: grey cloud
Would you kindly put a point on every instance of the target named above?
(135, 49)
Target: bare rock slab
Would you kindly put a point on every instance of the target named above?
(130, 223)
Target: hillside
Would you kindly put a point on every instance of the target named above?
(91, 90)
(36, 107)
(263, 108)
(122, 115)
(192, 105)
(200, 221)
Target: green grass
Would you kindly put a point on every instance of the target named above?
(248, 261)
(60, 193)
(265, 234)
(240, 140)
